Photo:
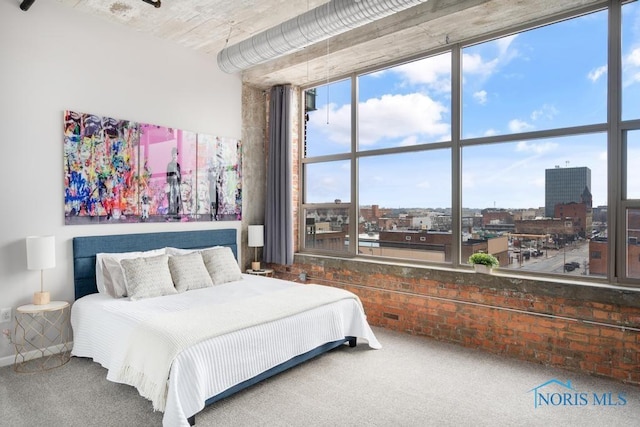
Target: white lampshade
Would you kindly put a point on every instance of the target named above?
(41, 252)
(41, 255)
(256, 236)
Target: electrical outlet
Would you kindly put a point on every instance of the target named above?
(5, 315)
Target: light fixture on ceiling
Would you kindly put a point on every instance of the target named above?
(153, 3)
(333, 18)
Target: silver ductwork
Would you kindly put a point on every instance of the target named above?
(328, 20)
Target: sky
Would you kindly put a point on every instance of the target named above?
(547, 78)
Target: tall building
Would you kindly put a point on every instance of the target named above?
(565, 185)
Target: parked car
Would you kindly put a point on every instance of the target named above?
(569, 266)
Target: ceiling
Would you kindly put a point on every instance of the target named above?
(206, 25)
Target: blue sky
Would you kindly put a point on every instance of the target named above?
(551, 77)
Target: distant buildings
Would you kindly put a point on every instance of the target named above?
(566, 185)
(425, 234)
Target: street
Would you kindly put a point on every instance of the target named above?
(553, 260)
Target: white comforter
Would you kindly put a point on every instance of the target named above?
(102, 327)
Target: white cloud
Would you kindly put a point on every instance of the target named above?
(594, 75)
(423, 184)
(480, 97)
(336, 124)
(413, 118)
(631, 66)
(409, 141)
(400, 116)
(517, 125)
(545, 112)
(475, 64)
(433, 71)
(536, 147)
(633, 58)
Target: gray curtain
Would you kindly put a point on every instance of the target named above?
(278, 221)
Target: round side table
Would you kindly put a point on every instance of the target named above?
(268, 272)
(42, 336)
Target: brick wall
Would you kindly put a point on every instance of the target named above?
(582, 328)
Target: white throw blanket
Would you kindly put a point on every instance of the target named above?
(155, 343)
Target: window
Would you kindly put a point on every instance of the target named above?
(406, 195)
(526, 177)
(630, 61)
(633, 243)
(536, 206)
(546, 78)
(630, 231)
(406, 105)
(632, 176)
(328, 182)
(328, 120)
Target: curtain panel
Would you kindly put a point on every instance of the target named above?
(278, 245)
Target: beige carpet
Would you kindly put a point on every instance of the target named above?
(412, 381)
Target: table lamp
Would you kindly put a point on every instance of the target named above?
(41, 255)
(256, 240)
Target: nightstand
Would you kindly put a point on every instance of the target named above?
(42, 336)
(267, 272)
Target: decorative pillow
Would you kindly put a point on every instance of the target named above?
(148, 277)
(178, 251)
(109, 274)
(189, 272)
(221, 265)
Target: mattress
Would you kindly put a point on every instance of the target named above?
(102, 326)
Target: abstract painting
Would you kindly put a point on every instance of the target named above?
(119, 171)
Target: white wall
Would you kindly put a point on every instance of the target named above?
(53, 58)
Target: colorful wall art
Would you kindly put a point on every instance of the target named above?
(121, 171)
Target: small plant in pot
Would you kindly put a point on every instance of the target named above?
(482, 262)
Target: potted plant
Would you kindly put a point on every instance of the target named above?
(483, 263)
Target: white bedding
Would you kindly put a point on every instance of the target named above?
(102, 326)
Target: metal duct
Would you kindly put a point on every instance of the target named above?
(335, 17)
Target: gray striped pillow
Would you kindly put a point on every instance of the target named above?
(189, 272)
(148, 277)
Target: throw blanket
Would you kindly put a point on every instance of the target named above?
(155, 342)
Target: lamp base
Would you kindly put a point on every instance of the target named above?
(255, 265)
(41, 298)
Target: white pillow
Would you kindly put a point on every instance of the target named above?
(189, 272)
(109, 273)
(178, 251)
(148, 277)
(221, 265)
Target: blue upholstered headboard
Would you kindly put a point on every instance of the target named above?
(86, 248)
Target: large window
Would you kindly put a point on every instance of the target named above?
(405, 205)
(526, 177)
(630, 61)
(527, 196)
(535, 197)
(405, 105)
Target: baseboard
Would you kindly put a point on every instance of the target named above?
(10, 360)
(7, 360)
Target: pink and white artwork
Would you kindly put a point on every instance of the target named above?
(122, 171)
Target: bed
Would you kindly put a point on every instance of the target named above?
(188, 349)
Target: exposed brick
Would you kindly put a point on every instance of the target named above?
(498, 319)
